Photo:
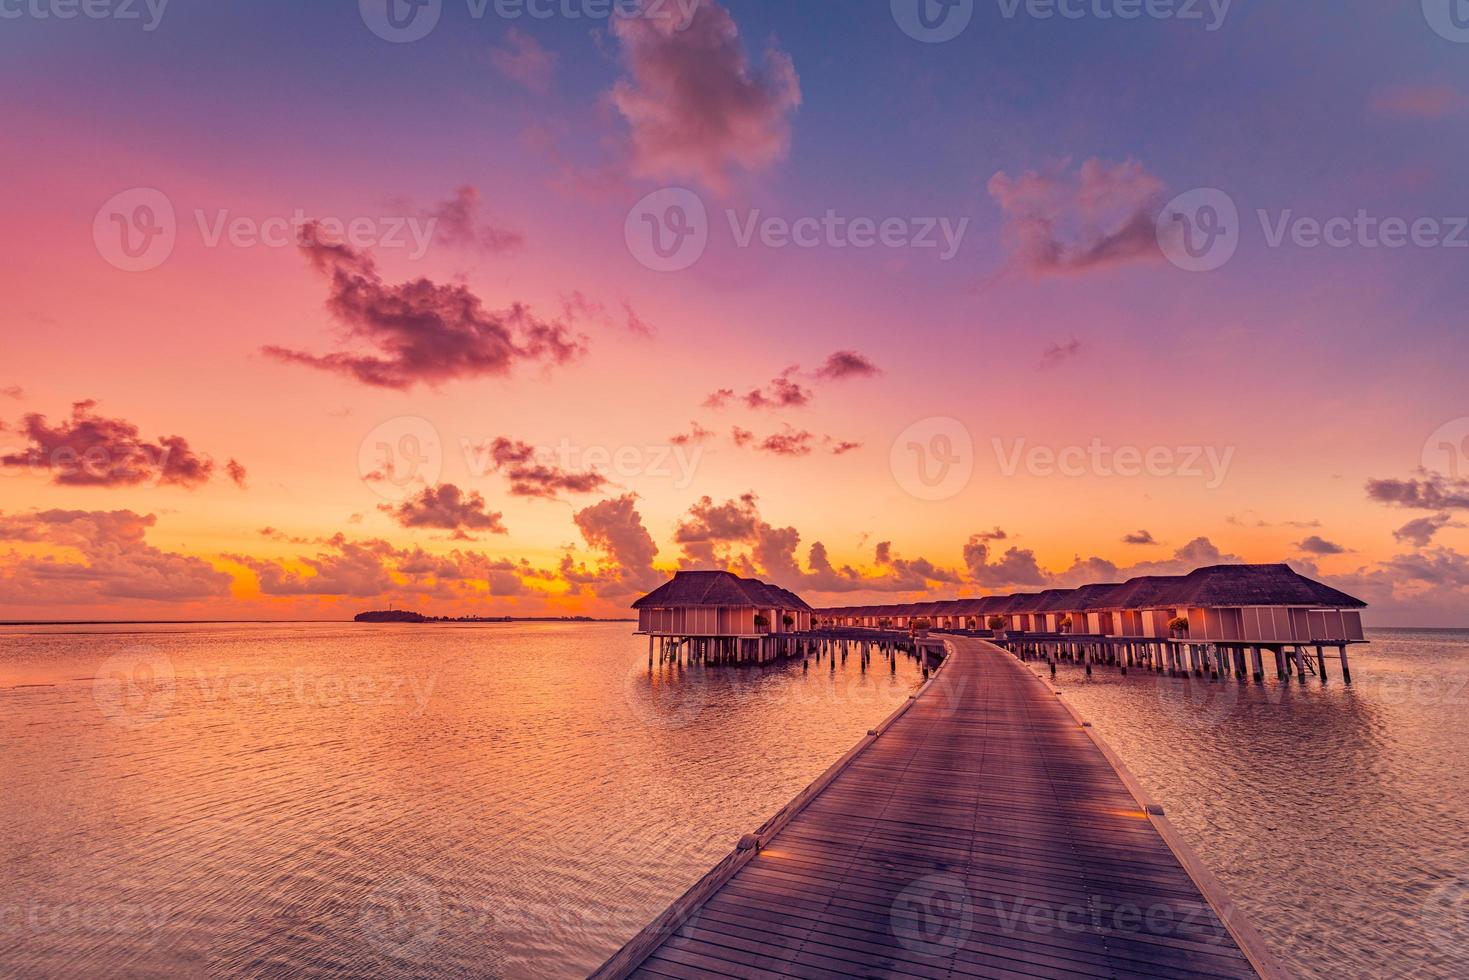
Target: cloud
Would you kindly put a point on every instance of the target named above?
(447, 508)
(1432, 492)
(1057, 354)
(89, 450)
(635, 323)
(734, 535)
(1420, 531)
(532, 475)
(421, 332)
(344, 568)
(842, 447)
(1060, 224)
(615, 528)
(782, 392)
(1317, 545)
(522, 59)
(373, 569)
(1423, 101)
(846, 364)
(456, 223)
(1198, 553)
(720, 398)
(235, 470)
(1017, 568)
(791, 442)
(1139, 537)
(695, 435)
(695, 105)
(741, 437)
(105, 556)
(576, 306)
(13, 391)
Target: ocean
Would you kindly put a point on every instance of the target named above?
(517, 800)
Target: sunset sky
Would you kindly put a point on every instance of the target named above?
(249, 245)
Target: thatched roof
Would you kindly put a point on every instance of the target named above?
(719, 589)
(1258, 585)
(1218, 586)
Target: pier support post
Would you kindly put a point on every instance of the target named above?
(1257, 664)
(1300, 665)
(1321, 662)
(1346, 668)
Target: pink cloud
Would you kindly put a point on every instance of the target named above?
(695, 105)
(847, 364)
(112, 561)
(1059, 223)
(522, 59)
(1418, 101)
(90, 450)
(457, 223)
(421, 332)
(447, 508)
(615, 528)
(532, 475)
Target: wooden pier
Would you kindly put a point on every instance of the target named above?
(981, 831)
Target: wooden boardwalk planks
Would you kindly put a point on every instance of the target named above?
(981, 833)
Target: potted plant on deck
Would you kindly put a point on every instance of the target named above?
(996, 624)
(1178, 627)
(762, 622)
(921, 626)
(1066, 624)
(788, 621)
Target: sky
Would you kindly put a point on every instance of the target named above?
(515, 307)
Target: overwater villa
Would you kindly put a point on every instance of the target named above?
(1244, 603)
(722, 617)
(1206, 621)
(1209, 621)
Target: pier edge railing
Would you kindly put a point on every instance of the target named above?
(640, 947)
(1249, 941)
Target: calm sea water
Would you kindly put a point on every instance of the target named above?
(1337, 816)
(517, 801)
(333, 800)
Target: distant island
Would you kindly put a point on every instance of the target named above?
(406, 616)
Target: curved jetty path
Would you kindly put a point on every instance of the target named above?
(981, 832)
